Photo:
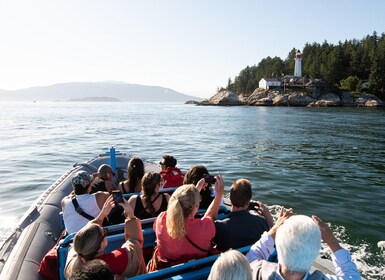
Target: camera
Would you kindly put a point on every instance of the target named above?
(209, 179)
(117, 196)
(253, 205)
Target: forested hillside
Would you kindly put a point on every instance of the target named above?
(346, 66)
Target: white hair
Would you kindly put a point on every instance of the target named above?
(231, 265)
(298, 242)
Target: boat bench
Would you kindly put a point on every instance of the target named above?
(194, 269)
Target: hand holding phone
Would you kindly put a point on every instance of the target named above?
(117, 196)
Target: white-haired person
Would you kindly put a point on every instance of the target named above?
(231, 265)
(298, 242)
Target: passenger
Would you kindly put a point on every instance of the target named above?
(171, 174)
(231, 265)
(89, 204)
(90, 243)
(135, 172)
(193, 176)
(298, 242)
(151, 202)
(241, 228)
(93, 270)
(179, 236)
(103, 180)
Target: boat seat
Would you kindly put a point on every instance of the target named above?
(115, 241)
(194, 269)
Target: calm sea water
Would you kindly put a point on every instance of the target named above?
(326, 161)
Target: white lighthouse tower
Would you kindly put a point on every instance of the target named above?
(298, 66)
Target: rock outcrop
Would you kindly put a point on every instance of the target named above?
(262, 97)
(223, 98)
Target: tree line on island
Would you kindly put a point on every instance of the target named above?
(353, 65)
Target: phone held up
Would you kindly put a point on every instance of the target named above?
(209, 179)
(253, 205)
(117, 196)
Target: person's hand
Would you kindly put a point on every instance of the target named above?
(107, 206)
(128, 212)
(284, 214)
(219, 184)
(327, 234)
(262, 210)
(201, 184)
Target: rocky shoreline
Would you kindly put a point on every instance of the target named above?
(262, 97)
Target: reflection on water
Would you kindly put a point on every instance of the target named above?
(326, 161)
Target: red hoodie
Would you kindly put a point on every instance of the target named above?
(173, 176)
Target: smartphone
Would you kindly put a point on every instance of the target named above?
(117, 196)
(209, 179)
(253, 205)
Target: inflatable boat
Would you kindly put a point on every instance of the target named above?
(39, 229)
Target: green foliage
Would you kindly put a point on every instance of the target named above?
(350, 83)
(335, 64)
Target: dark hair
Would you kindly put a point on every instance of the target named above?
(169, 161)
(149, 182)
(240, 193)
(80, 189)
(93, 270)
(193, 176)
(135, 170)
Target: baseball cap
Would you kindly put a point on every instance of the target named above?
(82, 178)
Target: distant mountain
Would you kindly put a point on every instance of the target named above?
(109, 91)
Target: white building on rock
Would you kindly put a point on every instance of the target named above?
(269, 83)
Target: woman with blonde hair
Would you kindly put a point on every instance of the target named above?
(179, 236)
(231, 265)
(90, 243)
(150, 203)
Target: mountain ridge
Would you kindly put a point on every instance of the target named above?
(80, 90)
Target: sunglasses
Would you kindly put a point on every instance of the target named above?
(161, 163)
(105, 233)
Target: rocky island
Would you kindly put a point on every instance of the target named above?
(266, 97)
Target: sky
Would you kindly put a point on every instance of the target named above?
(192, 47)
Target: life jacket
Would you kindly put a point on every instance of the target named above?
(173, 176)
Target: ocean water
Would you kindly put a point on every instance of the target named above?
(324, 161)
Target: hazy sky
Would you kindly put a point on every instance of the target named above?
(190, 46)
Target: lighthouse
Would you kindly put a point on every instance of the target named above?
(298, 67)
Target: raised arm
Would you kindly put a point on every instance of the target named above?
(264, 212)
(212, 211)
(342, 260)
(264, 247)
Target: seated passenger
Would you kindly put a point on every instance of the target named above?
(231, 265)
(150, 203)
(170, 174)
(179, 236)
(298, 242)
(241, 228)
(89, 204)
(103, 180)
(90, 243)
(93, 270)
(195, 174)
(135, 172)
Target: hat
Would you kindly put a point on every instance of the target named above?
(82, 178)
(104, 169)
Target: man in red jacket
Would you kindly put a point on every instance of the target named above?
(172, 176)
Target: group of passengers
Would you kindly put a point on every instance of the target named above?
(182, 234)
